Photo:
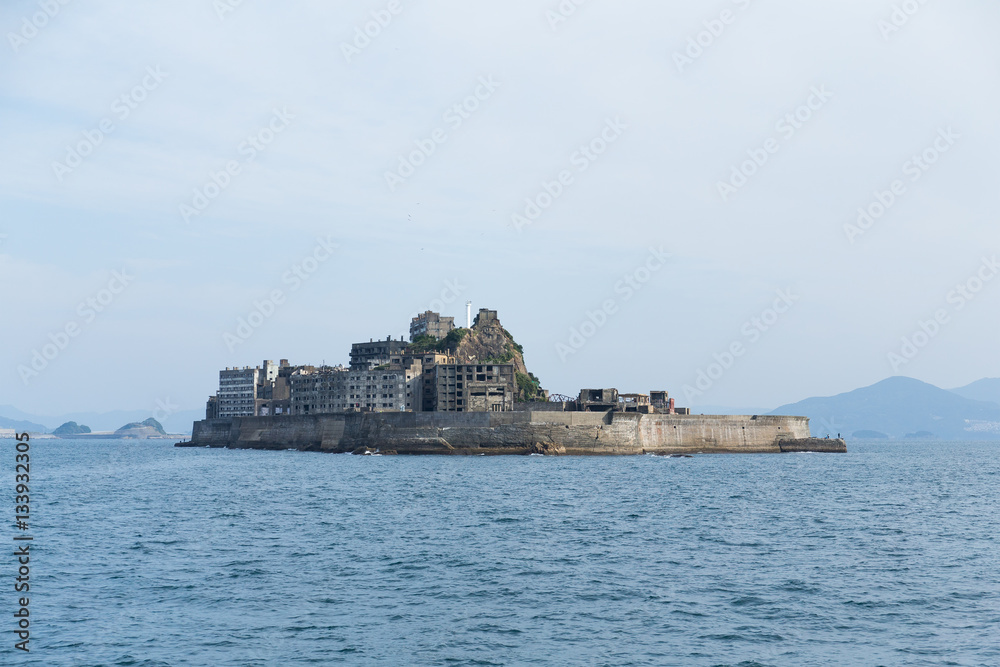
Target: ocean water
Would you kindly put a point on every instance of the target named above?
(146, 554)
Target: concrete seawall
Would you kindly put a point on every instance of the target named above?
(520, 432)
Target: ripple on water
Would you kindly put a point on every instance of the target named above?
(886, 555)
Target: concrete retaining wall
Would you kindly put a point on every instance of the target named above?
(519, 432)
(720, 433)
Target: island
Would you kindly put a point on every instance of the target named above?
(71, 428)
(150, 428)
(466, 391)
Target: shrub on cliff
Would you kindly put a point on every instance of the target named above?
(424, 343)
(529, 387)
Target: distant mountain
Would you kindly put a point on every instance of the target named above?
(899, 407)
(71, 428)
(872, 435)
(21, 425)
(723, 410)
(176, 422)
(987, 389)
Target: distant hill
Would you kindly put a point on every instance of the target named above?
(149, 428)
(987, 389)
(22, 426)
(899, 407)
(71, 428)
(872, 435)
(175, 422)
(723, 409)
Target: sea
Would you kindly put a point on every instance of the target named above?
(144, 554)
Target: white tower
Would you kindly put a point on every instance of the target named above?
(468, 314)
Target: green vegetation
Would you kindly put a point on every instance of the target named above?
(504, 358)
(529, 386)
(513, 342)
(449, 343)
(511, 349)
(71, 428)
(453, 338)
(423, 343)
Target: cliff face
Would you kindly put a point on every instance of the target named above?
(488, 342)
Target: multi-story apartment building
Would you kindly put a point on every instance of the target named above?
(474, 387)
(318, 390)
(427, 384)
(248, 392)
(237, 395)
(274, 392)
(375, 353)
(392, 388)
(429, 323)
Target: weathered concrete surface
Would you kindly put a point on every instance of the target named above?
(520, 432)
(829, 445)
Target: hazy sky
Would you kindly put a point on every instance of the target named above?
(213, 153)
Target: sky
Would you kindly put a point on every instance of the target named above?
(740, 202)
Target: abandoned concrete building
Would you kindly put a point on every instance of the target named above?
(603, 400)
(244, 392)
(388, 376)
(431, 324)
(376, 352)
(325, 390)
(474, 388)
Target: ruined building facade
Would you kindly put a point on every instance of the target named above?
(394, 376)
(429, 323)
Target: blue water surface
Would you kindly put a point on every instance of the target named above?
(146, 554)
